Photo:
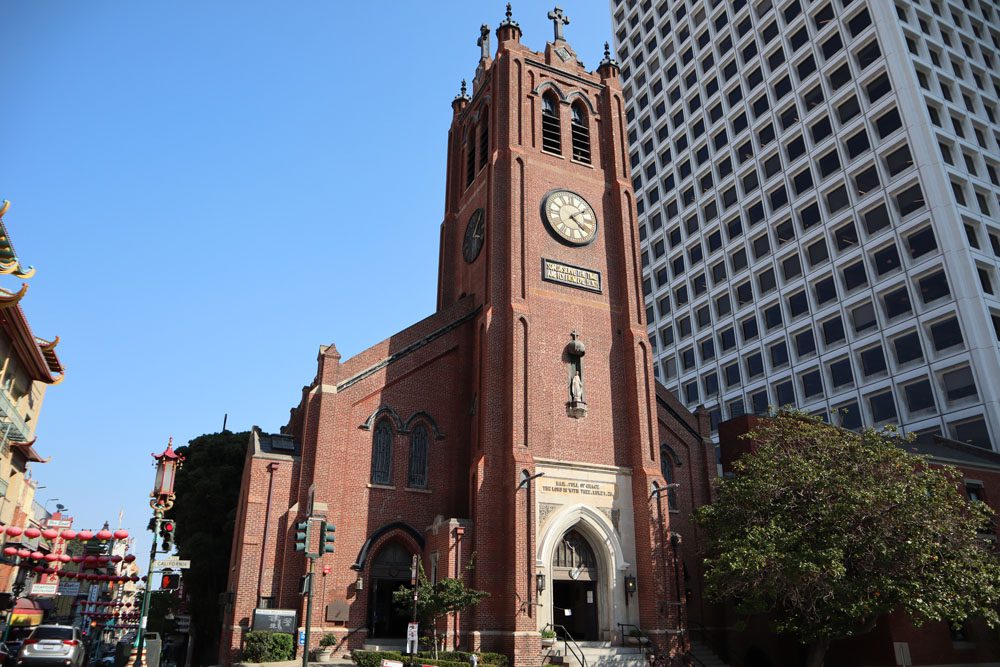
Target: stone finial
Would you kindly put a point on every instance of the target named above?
(508, 20)
(608, 60)
(463, 92)
(559, 19)
(484, 42)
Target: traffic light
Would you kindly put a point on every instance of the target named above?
(167, 531)
(328, 537)
(302, 531)
(170, 581)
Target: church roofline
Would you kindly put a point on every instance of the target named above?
(411, 347)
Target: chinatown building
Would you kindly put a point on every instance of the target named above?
(516, 438)
(28, 365)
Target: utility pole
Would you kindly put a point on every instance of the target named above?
(303, 543)
(413, 618)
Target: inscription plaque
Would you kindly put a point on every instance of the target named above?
(572, 276)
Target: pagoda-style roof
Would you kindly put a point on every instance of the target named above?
(9, 263)
(27, 449)
(36, 354)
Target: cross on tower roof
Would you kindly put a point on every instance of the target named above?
(559, 19)
(484, 41)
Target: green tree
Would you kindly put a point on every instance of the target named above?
(435, 600)
(827, 529)
(208, 489)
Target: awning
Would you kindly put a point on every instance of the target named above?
(26, 612)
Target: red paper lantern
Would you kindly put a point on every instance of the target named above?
(64, 558)
(9, 551)
(23, 553)
(68, 534)
(32, 532)
(37, 555)
(84, 535)
(129, 558)
(76, 559)
(51, 557)
(90, 559)
(121, 534)
(134, 578)
(14, 531)
(104, 535)
(50, 533)
(103, 559)
(38, 568)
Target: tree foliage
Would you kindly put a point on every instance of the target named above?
(208, 488)
(828, 529)
(435, 600)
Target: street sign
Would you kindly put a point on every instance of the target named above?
(412, 629)
(44, 589)
(69, 588)
(302, 637)
(171, 564)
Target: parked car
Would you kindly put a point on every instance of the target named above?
(52, 645)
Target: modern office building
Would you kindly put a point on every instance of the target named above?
(817, 185)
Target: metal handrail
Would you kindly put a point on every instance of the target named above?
(569, 643)
(642, 636)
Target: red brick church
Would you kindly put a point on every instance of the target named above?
(516, 438)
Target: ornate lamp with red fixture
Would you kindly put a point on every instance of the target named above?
(161, 499)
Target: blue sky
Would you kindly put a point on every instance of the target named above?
(212, 190)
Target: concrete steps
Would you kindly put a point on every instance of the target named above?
(599, 654)
(386, 645)
(705, 657)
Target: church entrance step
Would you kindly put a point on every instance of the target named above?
(376, 644)
(705, 655)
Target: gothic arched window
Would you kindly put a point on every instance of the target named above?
(417, 476)
(470, 156)
(580, 131)
(551, 134)
(382, 453)
(484, 138)
(667, 470)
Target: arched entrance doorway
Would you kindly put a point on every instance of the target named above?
(389, 570)
(575, 587)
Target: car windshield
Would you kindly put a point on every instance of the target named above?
(43, 632)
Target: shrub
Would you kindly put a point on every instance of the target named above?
(329, 639)
(268, 647)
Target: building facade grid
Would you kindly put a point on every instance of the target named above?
(817, 183)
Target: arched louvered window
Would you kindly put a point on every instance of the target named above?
(667, 470)
(551, 134)
(580, 131)
(484, 138)
(470, 156)
(382, 453)
(417, 477)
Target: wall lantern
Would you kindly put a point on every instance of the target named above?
(630, 585)
(539, 583)
(359, 585)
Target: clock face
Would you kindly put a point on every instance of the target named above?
(474, 234)
(569, 217)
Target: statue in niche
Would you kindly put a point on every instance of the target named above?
(577, 405)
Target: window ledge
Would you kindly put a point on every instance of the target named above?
(387, 487)
(416, 490)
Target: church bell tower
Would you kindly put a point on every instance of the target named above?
(540, 231)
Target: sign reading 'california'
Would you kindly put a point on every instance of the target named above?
(574, 276)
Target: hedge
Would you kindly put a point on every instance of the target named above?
(268, 647)
(444, 659)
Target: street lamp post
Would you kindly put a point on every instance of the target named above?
(161, 499)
